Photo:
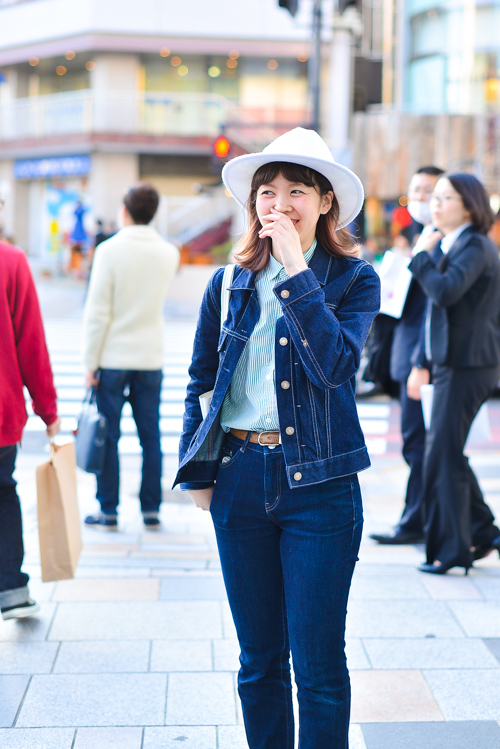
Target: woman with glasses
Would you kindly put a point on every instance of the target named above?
(459, 271)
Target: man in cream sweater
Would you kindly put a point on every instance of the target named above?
(123, 326)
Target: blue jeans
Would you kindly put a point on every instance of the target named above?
(11, 530)
(287, 558)
(142, 389)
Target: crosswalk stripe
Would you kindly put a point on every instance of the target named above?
(64, 343)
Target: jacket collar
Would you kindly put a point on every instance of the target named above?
(320, 264)
(456, 247)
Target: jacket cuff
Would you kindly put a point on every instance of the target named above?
(420, 261)
(194, 485)
(296, 287)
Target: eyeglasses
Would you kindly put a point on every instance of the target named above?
(444, 199)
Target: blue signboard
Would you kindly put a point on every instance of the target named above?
(57, 166)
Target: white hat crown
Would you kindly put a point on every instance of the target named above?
(304, 147)
(301, 142)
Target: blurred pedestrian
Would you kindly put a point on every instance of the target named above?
(24, 362)
(282, 439)
(100, 235)
(123, 352)
(459, 271)
(405, 340)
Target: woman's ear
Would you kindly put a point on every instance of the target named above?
(326, 202)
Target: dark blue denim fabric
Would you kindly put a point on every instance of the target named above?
(11, 527)
(327, 313)
(287, 559)
(142, 388)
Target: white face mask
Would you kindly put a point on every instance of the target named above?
(419, 211)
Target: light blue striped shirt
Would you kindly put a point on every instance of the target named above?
(250, 402)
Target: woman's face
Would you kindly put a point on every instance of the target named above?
(447, 209)
(303, 205)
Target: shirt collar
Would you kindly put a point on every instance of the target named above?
(275, 267)
(449, 240)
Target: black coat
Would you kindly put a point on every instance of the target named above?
(464, 287)
(406, 337)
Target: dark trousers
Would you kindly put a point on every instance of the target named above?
(413, 433)
(287, 558)
(457, 516)
(11, 526)
(142, 389)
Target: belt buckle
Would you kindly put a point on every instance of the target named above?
(266, 444)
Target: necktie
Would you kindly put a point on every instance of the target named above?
(436, 255)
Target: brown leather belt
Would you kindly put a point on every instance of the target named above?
(261, 438)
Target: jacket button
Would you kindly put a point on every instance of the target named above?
(285, 384)
(297, 476)
(289, 430)
(285, 294)
(283, 341)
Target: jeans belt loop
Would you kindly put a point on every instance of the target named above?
(247, 440)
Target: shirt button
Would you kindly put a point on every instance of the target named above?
(285, 384)
(285, 294)
(289, 430)
(283, 341)
(297, 476)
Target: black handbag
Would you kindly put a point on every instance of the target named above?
(91, 433)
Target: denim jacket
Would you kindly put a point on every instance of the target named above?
(327, 313)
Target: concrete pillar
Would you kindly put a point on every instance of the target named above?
(340, 84)
(114, 83)
(7, 194)
(111, 176)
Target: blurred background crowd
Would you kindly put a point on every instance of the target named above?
(94, 97)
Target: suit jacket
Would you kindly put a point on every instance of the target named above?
(406, 337)
(464, 288)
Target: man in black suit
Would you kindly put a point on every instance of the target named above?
(405, 342)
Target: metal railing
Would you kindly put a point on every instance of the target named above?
(147, 113)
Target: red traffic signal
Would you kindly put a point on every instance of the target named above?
(222, 146)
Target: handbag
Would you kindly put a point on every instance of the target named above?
(225, 295)
(91, 433)
(58, 515)
(395, 280)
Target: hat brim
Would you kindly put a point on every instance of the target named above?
(238, 173)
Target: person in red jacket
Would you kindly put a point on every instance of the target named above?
(24, 361)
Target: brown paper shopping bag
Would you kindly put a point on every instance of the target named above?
(58, 516)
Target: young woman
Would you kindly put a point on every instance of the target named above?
(460, 274)
(277, 455)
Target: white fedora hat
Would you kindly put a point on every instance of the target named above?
(298, 146)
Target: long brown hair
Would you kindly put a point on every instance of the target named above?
(252, 252)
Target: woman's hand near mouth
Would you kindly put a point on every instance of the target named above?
(286, 241)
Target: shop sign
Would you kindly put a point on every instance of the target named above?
(57, 166)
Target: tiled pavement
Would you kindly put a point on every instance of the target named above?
(139, 651)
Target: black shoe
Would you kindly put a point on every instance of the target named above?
(21, 611)
(480, 552)
(440, 568)
(152, 521)
(398, 537)
(102, 522)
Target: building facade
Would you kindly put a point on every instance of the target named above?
(96, 94)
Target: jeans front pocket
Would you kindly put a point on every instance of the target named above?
(230, 455)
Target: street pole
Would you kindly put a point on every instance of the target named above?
(315, 66)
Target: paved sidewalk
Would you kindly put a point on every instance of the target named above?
(139, 651)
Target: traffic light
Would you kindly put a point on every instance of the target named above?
(291, 5)
(221, 147)
(344, 4)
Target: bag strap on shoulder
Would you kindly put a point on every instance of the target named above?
(225, 293)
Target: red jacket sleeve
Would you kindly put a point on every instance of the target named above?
(32, 354)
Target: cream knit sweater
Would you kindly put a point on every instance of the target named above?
(123, 318)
